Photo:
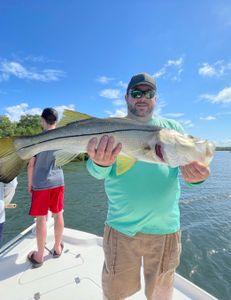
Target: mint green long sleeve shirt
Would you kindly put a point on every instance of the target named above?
(146, 197)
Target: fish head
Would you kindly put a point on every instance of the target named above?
(203, 151)
(176, 149)
(189, 149)
(162, 148)
(154, 149)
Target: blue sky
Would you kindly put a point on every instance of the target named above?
(81, 55)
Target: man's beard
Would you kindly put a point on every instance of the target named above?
(139, 113)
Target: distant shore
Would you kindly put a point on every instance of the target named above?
(223, 148)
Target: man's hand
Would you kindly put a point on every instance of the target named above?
(105, 153)
(195, 172)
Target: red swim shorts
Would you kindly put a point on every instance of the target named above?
(44, 200)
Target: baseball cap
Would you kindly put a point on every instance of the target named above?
(50, 115)
(142, 78)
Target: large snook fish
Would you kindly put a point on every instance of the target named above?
(139, 142)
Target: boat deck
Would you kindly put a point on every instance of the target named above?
(76, 274)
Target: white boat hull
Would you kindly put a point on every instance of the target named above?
(75, 275)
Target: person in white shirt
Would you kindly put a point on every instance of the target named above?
(7, 191)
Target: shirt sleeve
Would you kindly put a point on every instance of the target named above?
(9, 190)
(2, 203)
(178, 127)
(99, 172)
(1, 191)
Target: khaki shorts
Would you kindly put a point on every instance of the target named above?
(124, 255)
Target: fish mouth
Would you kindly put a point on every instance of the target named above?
(159, 153)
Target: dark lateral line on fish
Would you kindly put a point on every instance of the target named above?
(88, 134)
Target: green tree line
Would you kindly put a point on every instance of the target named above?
(27, 125)
(223, 148)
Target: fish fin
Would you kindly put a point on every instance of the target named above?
(124, 163)
(70, 116)
(185, 140)
(10, 163)
(63, 157)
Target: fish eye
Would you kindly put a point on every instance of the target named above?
(147, 148)
(191, 136)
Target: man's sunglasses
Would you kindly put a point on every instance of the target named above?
(137, 94)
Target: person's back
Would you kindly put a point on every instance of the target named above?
(46, 174)
(46, 185)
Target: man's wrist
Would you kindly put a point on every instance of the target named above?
(102, 166)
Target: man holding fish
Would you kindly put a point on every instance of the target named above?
(143, 220)
(140, 158)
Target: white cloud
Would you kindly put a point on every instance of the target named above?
(177, 62)
(160, 73)
(187, 123)
(217, 69)
(61, 108)
(122, 84)
(177, 76)
(223, 97)
(16, 69)
(32, 58)
(207, 70)
(172, 69)
(104, 79)
(37, 59)
(118, 102)
(174, 115)
(110, 93)
(159, 106)
(120, 113)
(15, 112)
(208, 118)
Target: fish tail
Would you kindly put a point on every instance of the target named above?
(10, 163)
